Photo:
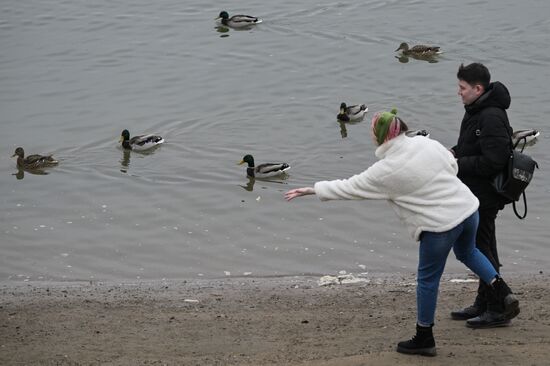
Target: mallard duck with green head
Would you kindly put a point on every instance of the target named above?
(33, 162)
(141, 142)
(238, 21)
(352, 113)
(264, 170)
(418, 50)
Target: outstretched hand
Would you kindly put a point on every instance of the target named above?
(297, 192)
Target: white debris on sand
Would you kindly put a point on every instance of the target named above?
(458, 280)
(341, 279)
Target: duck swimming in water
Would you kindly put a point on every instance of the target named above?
(238, 21)
(139, 143)
(352, 113)
(33, 162)
(418, 50)
(265, 170)
(526, 137)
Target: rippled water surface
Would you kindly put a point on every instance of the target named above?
(74, 74)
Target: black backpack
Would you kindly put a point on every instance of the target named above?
(516, 176)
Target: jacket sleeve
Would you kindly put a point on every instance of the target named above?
(495, 146)
(453, 150)
(360, 186)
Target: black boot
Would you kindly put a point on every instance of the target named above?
(502, 306)
(478, 308)
(423, 343)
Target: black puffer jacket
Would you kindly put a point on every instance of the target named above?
(484, 146)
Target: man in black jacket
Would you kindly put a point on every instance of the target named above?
(483, 149)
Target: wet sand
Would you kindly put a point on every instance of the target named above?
(268, 321)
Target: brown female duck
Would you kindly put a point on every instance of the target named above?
(418, 50)
(33, 162)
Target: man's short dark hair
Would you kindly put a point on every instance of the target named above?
(474, 73)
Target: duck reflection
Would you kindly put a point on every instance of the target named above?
(21, 173)
(125, 161)
(429, 58)
(343, 129)
(250, 185)
(222, 29)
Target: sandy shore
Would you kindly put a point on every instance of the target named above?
(247, 321)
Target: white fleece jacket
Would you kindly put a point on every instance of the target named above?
(417, 176)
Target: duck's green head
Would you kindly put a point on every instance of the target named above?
(19, 152)
(403, 46)
(247, 159)
(223, 15)
(124, 136)
(342, 116)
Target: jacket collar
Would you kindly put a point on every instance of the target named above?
(391, 145)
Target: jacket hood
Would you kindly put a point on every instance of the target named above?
(496, 95)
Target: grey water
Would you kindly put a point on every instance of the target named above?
(74, 74)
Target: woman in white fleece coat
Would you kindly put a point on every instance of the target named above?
(417, 176)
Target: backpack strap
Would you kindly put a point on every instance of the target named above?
(521, 217)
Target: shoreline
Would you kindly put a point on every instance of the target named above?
(259, 321)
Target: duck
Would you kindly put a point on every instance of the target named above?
(352, 113)
(418, 50)
(525, 137)
(413, 133)
(140, 142)
(238, 21)
(265, 170)
(33, 162)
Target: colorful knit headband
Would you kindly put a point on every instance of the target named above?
(386, 126)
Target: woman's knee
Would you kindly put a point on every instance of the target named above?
(463, 255)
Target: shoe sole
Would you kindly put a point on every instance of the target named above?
(461, 317)
(502, 323)
(430, 352)
(511, 312)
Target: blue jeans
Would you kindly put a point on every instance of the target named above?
(433, 253)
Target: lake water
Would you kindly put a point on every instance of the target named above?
(74, 74)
